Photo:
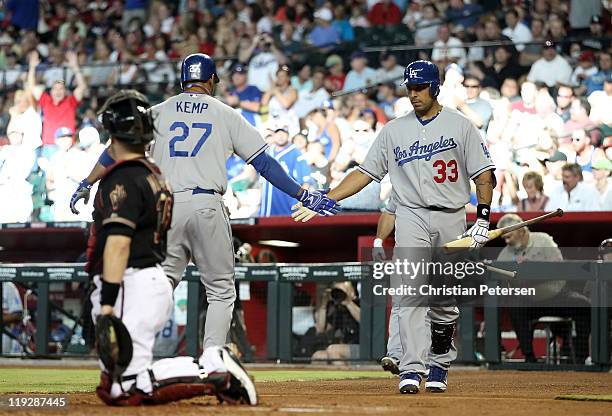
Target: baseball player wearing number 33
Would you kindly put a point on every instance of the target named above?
(431, 154)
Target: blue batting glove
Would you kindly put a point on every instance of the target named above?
(318, 202)
(82, 192)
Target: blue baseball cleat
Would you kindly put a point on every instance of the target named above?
(409, 383)
(437, 380)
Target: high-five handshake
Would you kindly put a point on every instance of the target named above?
(313, 203)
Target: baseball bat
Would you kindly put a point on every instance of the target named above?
(465, 242)
(508, 273)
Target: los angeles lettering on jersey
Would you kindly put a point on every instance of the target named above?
(416, 151)
(190, 107)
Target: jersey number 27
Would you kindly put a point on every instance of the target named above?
(179, 125)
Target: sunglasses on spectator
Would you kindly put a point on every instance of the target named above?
(471, 86)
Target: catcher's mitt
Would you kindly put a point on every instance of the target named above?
(114, 344)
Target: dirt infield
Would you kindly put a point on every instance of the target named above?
(470, 393)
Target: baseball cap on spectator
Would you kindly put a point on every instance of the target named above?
(360, 126)
(332, 60)
(358, 55)
(549, 44)
(587, 55)
(276, 124)
(602, 164)
(596, 19)
(63, 132)
(240, 68)
(88, 136)
(557, 157)
(324, 14)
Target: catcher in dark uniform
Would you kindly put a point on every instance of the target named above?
(133, 297)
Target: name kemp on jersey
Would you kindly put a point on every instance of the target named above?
(426, 151)
(190, 107)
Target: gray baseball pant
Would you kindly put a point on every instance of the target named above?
(201, 232)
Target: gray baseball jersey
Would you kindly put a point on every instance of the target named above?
(429, 164)
(196, 134)
(391, 204)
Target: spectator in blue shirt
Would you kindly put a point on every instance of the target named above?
(246, 98)
(360, 74)
(24, 13)
(273, 201)
(463, 14)
(596, 81)
(342, 25)
(324, 35)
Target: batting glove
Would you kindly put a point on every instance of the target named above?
(480, 230)
(378, 252)
(313, 203)
(479, 233)
(82, 192)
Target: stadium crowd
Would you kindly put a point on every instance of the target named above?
(319, 79)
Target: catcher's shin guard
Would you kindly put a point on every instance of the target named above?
(179, 388)
(132, 397)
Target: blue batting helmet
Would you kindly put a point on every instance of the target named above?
(423, 72)
(198, 67)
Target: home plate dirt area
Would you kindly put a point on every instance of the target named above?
(470, 393)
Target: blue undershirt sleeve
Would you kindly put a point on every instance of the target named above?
(269, 168)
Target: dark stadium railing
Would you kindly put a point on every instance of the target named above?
(280, 279)
(372, 40)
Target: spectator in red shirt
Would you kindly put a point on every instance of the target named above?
(334, 81)
(58, 106)
(385, 12)
(205, 43)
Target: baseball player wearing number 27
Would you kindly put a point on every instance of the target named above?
(194, 134)
(431, 154)
(132, 297)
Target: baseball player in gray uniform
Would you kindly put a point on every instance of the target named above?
(385, 226)
(431, 154)
(195, 135)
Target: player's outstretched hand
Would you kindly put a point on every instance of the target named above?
(301, 213)
(313, 203)
(479, 233)
(82, 192)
